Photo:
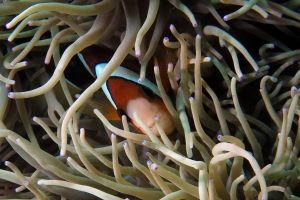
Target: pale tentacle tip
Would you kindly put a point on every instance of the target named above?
(6, 163)
(26, 183)
(172, 26)
(137, 54)
(126, 199)
(191, 98)
(62, 154)
(113, 135)
(225, 18)
(46, 62)
(7, 26)
(18, 139)
(124, 144)
(199, 35)
(69, 158)
(166, 39)
(40, 182)
(155, 66)
(154, 166)
(261, 89)
(11, 65)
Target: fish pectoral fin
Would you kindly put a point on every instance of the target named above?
(99, 101)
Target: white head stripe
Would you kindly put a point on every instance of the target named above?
(126, 74)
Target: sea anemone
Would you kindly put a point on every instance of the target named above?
(234, 100)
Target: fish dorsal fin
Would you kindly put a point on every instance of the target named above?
(99, 101)
(93, 55)
(162, 57)
(85, 64)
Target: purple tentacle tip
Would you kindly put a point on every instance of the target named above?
(191, 98)
(149, 162)
(10, 95)
(195, 25)
(124, 144)
(229, 95)
(147, 153)
(241, 78)
(113, 135)
(140, 80)
(225, 18)
(279, 113)
(137, 54)
(156, 117)
(220, 137)
(143, 142)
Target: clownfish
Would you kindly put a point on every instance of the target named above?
(127, 94)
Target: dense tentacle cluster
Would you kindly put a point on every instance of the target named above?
(234, 100)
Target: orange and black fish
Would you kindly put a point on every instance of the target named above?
(127, 94)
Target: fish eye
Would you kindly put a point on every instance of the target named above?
(148, 92)
(121, 112)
